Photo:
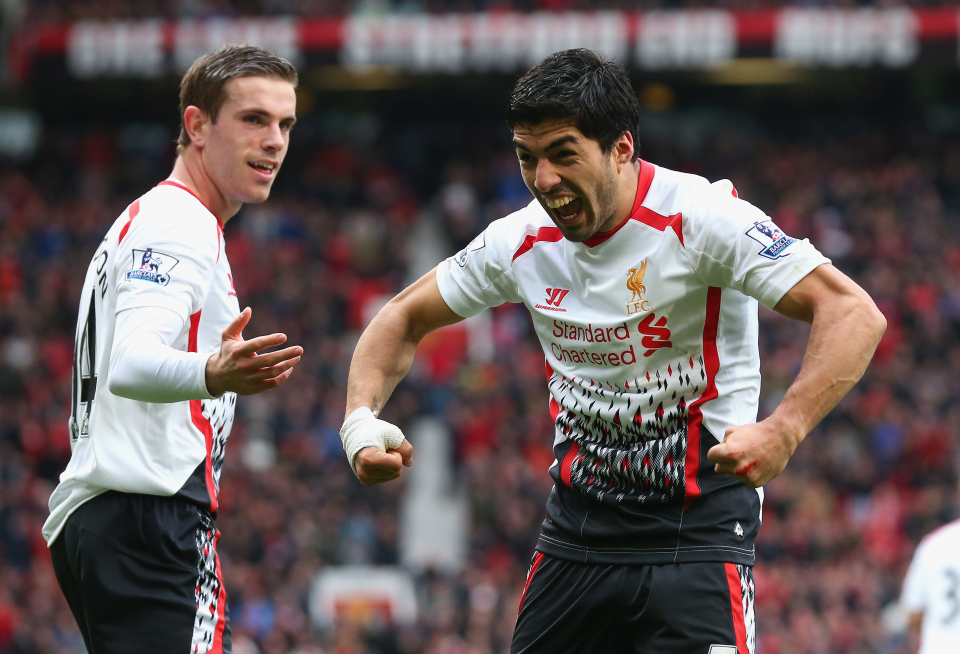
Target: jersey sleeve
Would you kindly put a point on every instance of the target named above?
(735, 245)
(481, 275)
(914, 596)
(167, 261)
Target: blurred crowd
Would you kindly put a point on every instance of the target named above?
(338, 237)
(64, 10)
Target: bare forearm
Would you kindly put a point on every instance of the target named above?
(843, 339)
(382, 358)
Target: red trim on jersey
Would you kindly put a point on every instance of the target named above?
(554, 407)
(545, 234)
(661, 222)
(643, 186)
(711, 361)
(201, 423)
(132, 210)
(643, 214)
(170, 182)
(537, 558)
(734, 191)
(217, 647)
(567, 462)
(736, 606)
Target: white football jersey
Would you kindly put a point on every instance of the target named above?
(166, 250)
(932, 587)
(650, 338)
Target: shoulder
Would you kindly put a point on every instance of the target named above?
(514, 234)
(673, 192)
(947, 536)
(169, 213)
(703, 205)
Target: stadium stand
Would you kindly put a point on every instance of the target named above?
(881, 198)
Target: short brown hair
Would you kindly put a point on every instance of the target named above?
(204, 85)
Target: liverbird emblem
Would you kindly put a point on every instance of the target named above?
(635, 281)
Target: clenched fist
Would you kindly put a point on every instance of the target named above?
(754, 453)
(375, 448)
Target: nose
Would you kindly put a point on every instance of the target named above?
(274, 139)
(547, 176)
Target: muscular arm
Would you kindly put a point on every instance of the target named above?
(846, 328)
(383, 357)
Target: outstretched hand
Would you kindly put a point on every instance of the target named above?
(237, 367)
(376, 466)
(754, 453)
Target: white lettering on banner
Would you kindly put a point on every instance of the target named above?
(480, 42)
(196, 38)
(686, 39)
(834, 37)
(115, 49)
(136, 48)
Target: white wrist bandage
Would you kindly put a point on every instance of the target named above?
(362, 429)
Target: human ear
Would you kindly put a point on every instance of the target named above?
(196, 125)
(623, 149)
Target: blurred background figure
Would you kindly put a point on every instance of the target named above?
(843, 126)
(931, 590)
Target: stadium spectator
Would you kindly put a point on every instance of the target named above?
(840, 524)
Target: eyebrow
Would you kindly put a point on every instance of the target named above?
(265, 114)
(563, 140)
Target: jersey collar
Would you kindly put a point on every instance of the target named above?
(644, 181)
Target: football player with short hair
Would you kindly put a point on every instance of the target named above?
(643, 285)
(159, 361)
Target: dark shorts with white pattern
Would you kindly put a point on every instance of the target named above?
(680, 608)
(141, 575)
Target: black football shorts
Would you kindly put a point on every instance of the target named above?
(142, 576)
(682, 608)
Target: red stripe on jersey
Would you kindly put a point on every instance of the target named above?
(657, 221)
(734, 191)
(132, 211)
(643, 186)
(545, 234)
(736, 607)
(170, 182)
(554, 407)
(538, 557)
(217, 647)
(568, 462)
(711, 360)
(201, 423)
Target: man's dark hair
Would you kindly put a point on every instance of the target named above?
(204, 85)
(578, 84)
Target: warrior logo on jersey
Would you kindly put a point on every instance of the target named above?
(152, 266)
(638, 302)
(773, 240)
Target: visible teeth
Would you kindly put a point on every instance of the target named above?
(265, 166)
(556, 204)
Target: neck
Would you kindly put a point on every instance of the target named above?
(191, 171)
(627, 181)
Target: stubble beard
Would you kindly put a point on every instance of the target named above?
(607, 200)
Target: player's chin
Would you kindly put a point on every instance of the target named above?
(578, 232)
(256, 193)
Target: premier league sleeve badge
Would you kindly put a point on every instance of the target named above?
(152, 266)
